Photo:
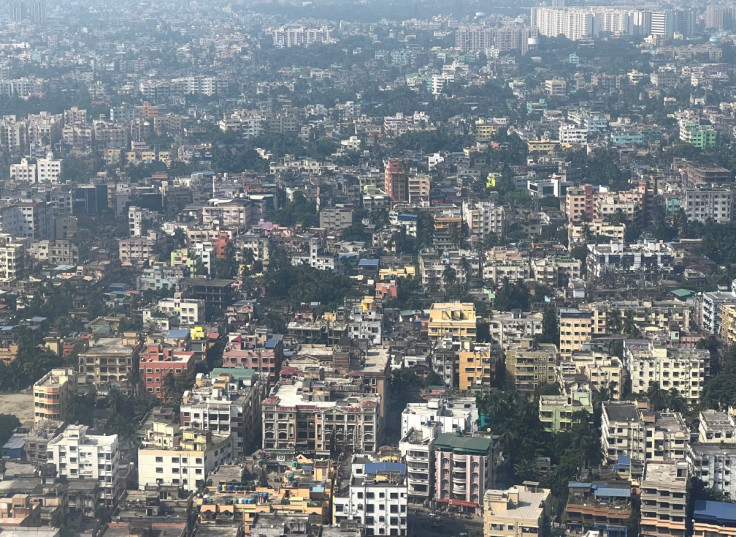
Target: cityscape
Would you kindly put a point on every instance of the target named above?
(365, 268)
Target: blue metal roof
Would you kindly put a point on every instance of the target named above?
(374, 467)
(605, 492)
(15, 442)
(368, 263)
(272, 342)
(719, 512)
(579, 485)
(177, 333)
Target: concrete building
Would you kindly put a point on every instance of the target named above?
(529, 364)
(680, 369)
(483, 218)
(417, 449)
(580, 203)
(664, 499)
(576, 329)
(108, 362)
(642, 435)
(226, 401)
(506, 327)
(12, 259)
(708, 202)
(476, 367)
(396, 183)
(316, 415)
(454, 320)
(603, 506)
(376, 497)
(450, 413)
(173, 456)
(78, 455)
(515, 512)
(335, 218)
(159, 360)
(556, 411)
(464, 470)
(54, 394)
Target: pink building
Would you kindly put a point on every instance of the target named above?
(157, 361)
(386, 290)
(463, 470)
(261, 351)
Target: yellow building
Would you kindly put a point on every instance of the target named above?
(418, 187)
(453, 320)
(53, 395)
(728, 323)
(576, 328)
(580, 232)
(386, 274)
(530, 365)
(485, 130)
(516, 512)
(475, 367)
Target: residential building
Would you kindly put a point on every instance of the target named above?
(476, 367)
(453, 320)
(679, 369)
(716, 427)
(170, 455)
(335, 218)
(580, 203)
(159, 360)
(226, 401)
(712, 464)
(318, 414)
(515, 512)
(530, 364)
(417, 449)
(54, 395)
(483, 218)
(556, 412)
(396, 183)
(641, 435)
(648, 257)
(601, 505)
(136, 250)
(78, 455)
(376, 497)
(506, 327)
(464, 470)
(708, 202)
(555, 87)
(12, 259)
(556, 271)
(712, 308)
(576, 329)
(449, 413)
(108, 363)
(664, 499)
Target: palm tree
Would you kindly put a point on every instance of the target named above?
(658, 398)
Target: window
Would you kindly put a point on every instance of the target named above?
(159, 459)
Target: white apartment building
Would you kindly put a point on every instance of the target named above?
(78, 455)
(377, 497)
(417, 448)
(23, 172)
(708, 203)
(483, 218)
(12, 259)
(48, 169)
(642, 435)
(170, 455)
(713, 464)
(506, 327)
(136, 217)
(189, 311)
(681, 369)
(451, 414)
(573, 135)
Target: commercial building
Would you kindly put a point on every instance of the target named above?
(376, 497)
(464, 470)
(54, 394)
(664, 499)
(173, 456)
(78, 455)
(515, 512)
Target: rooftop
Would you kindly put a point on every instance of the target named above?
(472, 444)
